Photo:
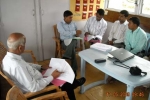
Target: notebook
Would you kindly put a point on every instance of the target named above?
(122, 54)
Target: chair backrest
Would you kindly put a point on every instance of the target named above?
(3, 52)
(15, 94)
(5, 77)
(57, 34)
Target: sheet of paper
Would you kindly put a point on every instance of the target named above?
(102, 47)
(67, 41)
(78, 38)
(62, 66)
(89, 37)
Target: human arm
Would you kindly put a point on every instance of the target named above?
(126, 41)
(111, 33)
(30, 78)
(100, 32)
(122, 33)
(86, 28)
(66, 31)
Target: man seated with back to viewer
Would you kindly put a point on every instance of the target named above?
(27, 76)
(135, 38)
(117, 32)
(95, 26)
(68, 30)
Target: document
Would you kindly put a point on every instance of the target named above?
(62, 66)
(78, 38)
(102, 47)
(68, 41)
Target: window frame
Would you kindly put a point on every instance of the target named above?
(138, 8)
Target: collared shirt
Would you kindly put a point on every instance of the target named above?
(67, 31)
(95, 27)
(118, 31)
(26, 76)
(135, 41)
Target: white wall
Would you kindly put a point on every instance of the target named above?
(47, 13)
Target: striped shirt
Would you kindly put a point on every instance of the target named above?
(95, 27)
(118, 31)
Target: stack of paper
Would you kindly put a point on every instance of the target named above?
(101, 47)
(62, 66)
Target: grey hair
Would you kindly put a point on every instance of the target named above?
(15, 44)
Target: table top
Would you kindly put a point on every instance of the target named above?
(120, 73)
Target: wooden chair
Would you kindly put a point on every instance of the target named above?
(3, 52)
(15, 94)
(59, 51)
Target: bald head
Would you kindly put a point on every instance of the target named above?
(14, 40)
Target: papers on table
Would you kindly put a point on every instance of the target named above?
(62, 66)
(101, 47)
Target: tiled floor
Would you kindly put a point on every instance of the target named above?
(92, 74)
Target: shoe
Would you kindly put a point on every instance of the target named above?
(79, 82)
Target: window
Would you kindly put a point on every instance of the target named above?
(122, 4)
(146, 7)
(133, 6)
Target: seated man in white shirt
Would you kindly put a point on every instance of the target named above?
(117, 32)
(95, 26)
(28, 76)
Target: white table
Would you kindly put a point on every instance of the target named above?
(119, 73)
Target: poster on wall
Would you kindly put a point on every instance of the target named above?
(84, 7)
(90, 14)
(91, 1)
(91, 8)
(77, 1)
(97, 7)
(85, 1)
(84, 15)
(98, 1)
(77, 7)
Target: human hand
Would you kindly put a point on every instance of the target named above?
(78, 32)
(44, 67)
(87, 33)
(110, 42)
(56, 74)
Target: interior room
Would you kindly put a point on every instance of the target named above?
(36, 19)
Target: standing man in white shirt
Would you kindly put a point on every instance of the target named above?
(117, 32)
(28, 76)
(95, 26)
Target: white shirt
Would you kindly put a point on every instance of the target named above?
(118, 31)
(26, 76)
(95, 27)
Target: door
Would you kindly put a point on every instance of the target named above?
(51, 14)
(19, 16)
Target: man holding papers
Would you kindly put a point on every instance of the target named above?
(95, 28)
(28, 76)
(68, 30)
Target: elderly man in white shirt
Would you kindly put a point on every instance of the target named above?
(28, 76)
(95, 28)
(117, 32)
